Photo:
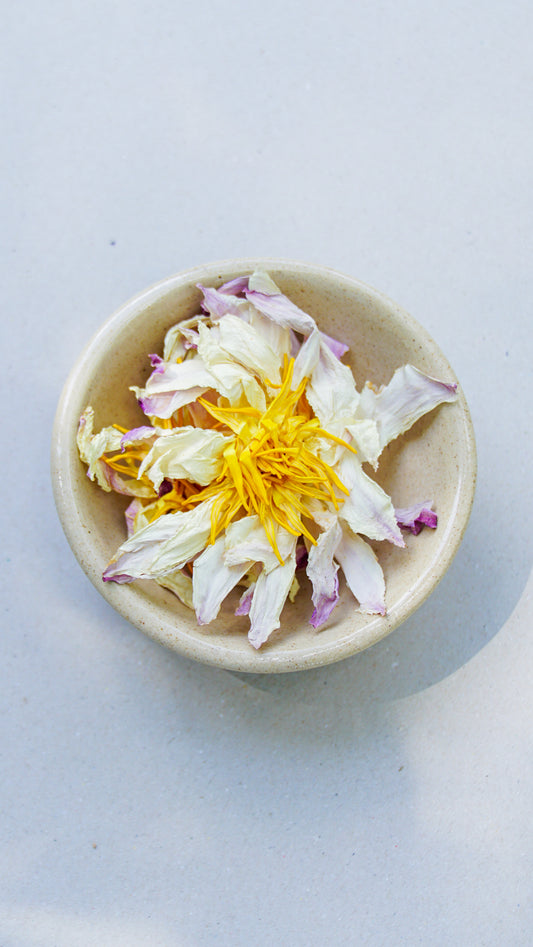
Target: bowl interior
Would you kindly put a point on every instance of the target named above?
(435, 460)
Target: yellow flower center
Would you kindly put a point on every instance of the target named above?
(271, 467)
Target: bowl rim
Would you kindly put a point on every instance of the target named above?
(131, 606)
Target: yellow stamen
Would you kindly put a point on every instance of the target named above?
(268, 468)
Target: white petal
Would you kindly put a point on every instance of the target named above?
(213, 580)
(322, 572)
(246, 541)
(188, 453)
(246, 345)
(368, 509)
(163, 546)
(331, 391)
(281, 310)
(306, 359)
(261, 282)
(230, 379)
(363, 573)
(180, 584)
(409, 395)
(165, 404)
(178, 338)
(270, 593)
(365, 438)
(179, 376)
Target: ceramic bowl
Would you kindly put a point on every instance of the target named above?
(435, 459)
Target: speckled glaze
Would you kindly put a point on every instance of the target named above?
(435, 460)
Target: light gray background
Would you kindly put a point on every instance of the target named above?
(387, 800)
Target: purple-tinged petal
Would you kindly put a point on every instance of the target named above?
(165, 404)
(120, 579)
(217, 303)
(130, 513)
(417, 516)
(338, 348)
(235, 286)
(281, 310)
(409, 395)
(322, 571)
(245, 602)
(163, 546)
(324, 606)
(138, 435)
(157, 363)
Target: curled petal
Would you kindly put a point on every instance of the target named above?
(363, 573)
(180, 338)
(93, 448)
(417, 516)
(270, 593)
(409, 395)
(188, 453)
(228, 377)
(245, 344)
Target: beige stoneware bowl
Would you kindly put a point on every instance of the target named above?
(435, 460)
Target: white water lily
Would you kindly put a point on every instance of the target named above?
(255, 445)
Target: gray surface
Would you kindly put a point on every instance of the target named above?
(387, 800)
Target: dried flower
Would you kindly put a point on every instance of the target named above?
(251, 466)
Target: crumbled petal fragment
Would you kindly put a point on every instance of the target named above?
(416, 517)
